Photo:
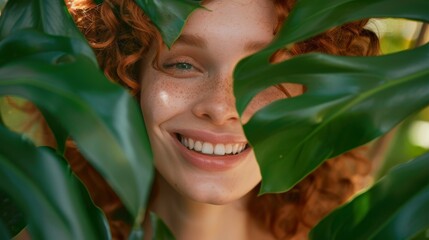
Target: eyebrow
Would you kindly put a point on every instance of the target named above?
(192, 40)
(197, 41)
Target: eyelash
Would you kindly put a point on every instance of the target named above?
(176, 64)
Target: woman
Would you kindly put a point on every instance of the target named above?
(207, 175)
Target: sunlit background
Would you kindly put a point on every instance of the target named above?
(410, 138)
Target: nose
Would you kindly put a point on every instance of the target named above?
(217, 102)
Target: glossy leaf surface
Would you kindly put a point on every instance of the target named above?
(42, 185)
(68, 87)
(50, 17)
(53, 66)
(395, 208)
(169, 16)
(47, 16)
(349, 100)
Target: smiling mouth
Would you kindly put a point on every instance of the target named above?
(208, 148)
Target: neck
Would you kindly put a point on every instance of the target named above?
(188, 219)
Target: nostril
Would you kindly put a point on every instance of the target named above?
(216, 112)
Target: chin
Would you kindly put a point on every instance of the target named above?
(217, 195)
(188, 183)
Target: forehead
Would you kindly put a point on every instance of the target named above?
(253, 19)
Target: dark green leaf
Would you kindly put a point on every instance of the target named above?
(11, 215)
(169, 16)
(39, 181)
(4, 232)
(44, 16)
(310, 17)
(395, 208)
(47, 16)
(349, 100)
(100, 116)
(161, 230)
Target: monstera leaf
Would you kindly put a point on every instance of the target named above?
(395, 208)
(41, 184)
(50, 17)
(169, 16)
(349, 101)
(51, 65)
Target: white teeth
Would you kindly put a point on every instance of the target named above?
(207, 148)
(228, 148)
(210, 148)
(240, 148)
(191, 143)
(219, 149)
(198, 146)
(235, 148)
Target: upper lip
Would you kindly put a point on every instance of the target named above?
(213, 137)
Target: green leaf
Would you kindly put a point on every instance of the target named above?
(423, 235)
(161, 230)
(4, 232)
(101, 117)
(349, 100)
(2, 4)
(396, 207)
(11, 215)
(47, 16)
(310, 18)
(169, 16)
(40, 182)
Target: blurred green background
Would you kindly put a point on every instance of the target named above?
(411, 137)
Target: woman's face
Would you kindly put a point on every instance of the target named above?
(188, 103)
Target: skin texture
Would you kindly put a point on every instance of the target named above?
(189, 91)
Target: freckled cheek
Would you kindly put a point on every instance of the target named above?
(162, 100)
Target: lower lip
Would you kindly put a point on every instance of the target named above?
(211, 163)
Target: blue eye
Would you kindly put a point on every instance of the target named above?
(180, 66)
(183, 66)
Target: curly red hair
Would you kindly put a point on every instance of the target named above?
(120, 33)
